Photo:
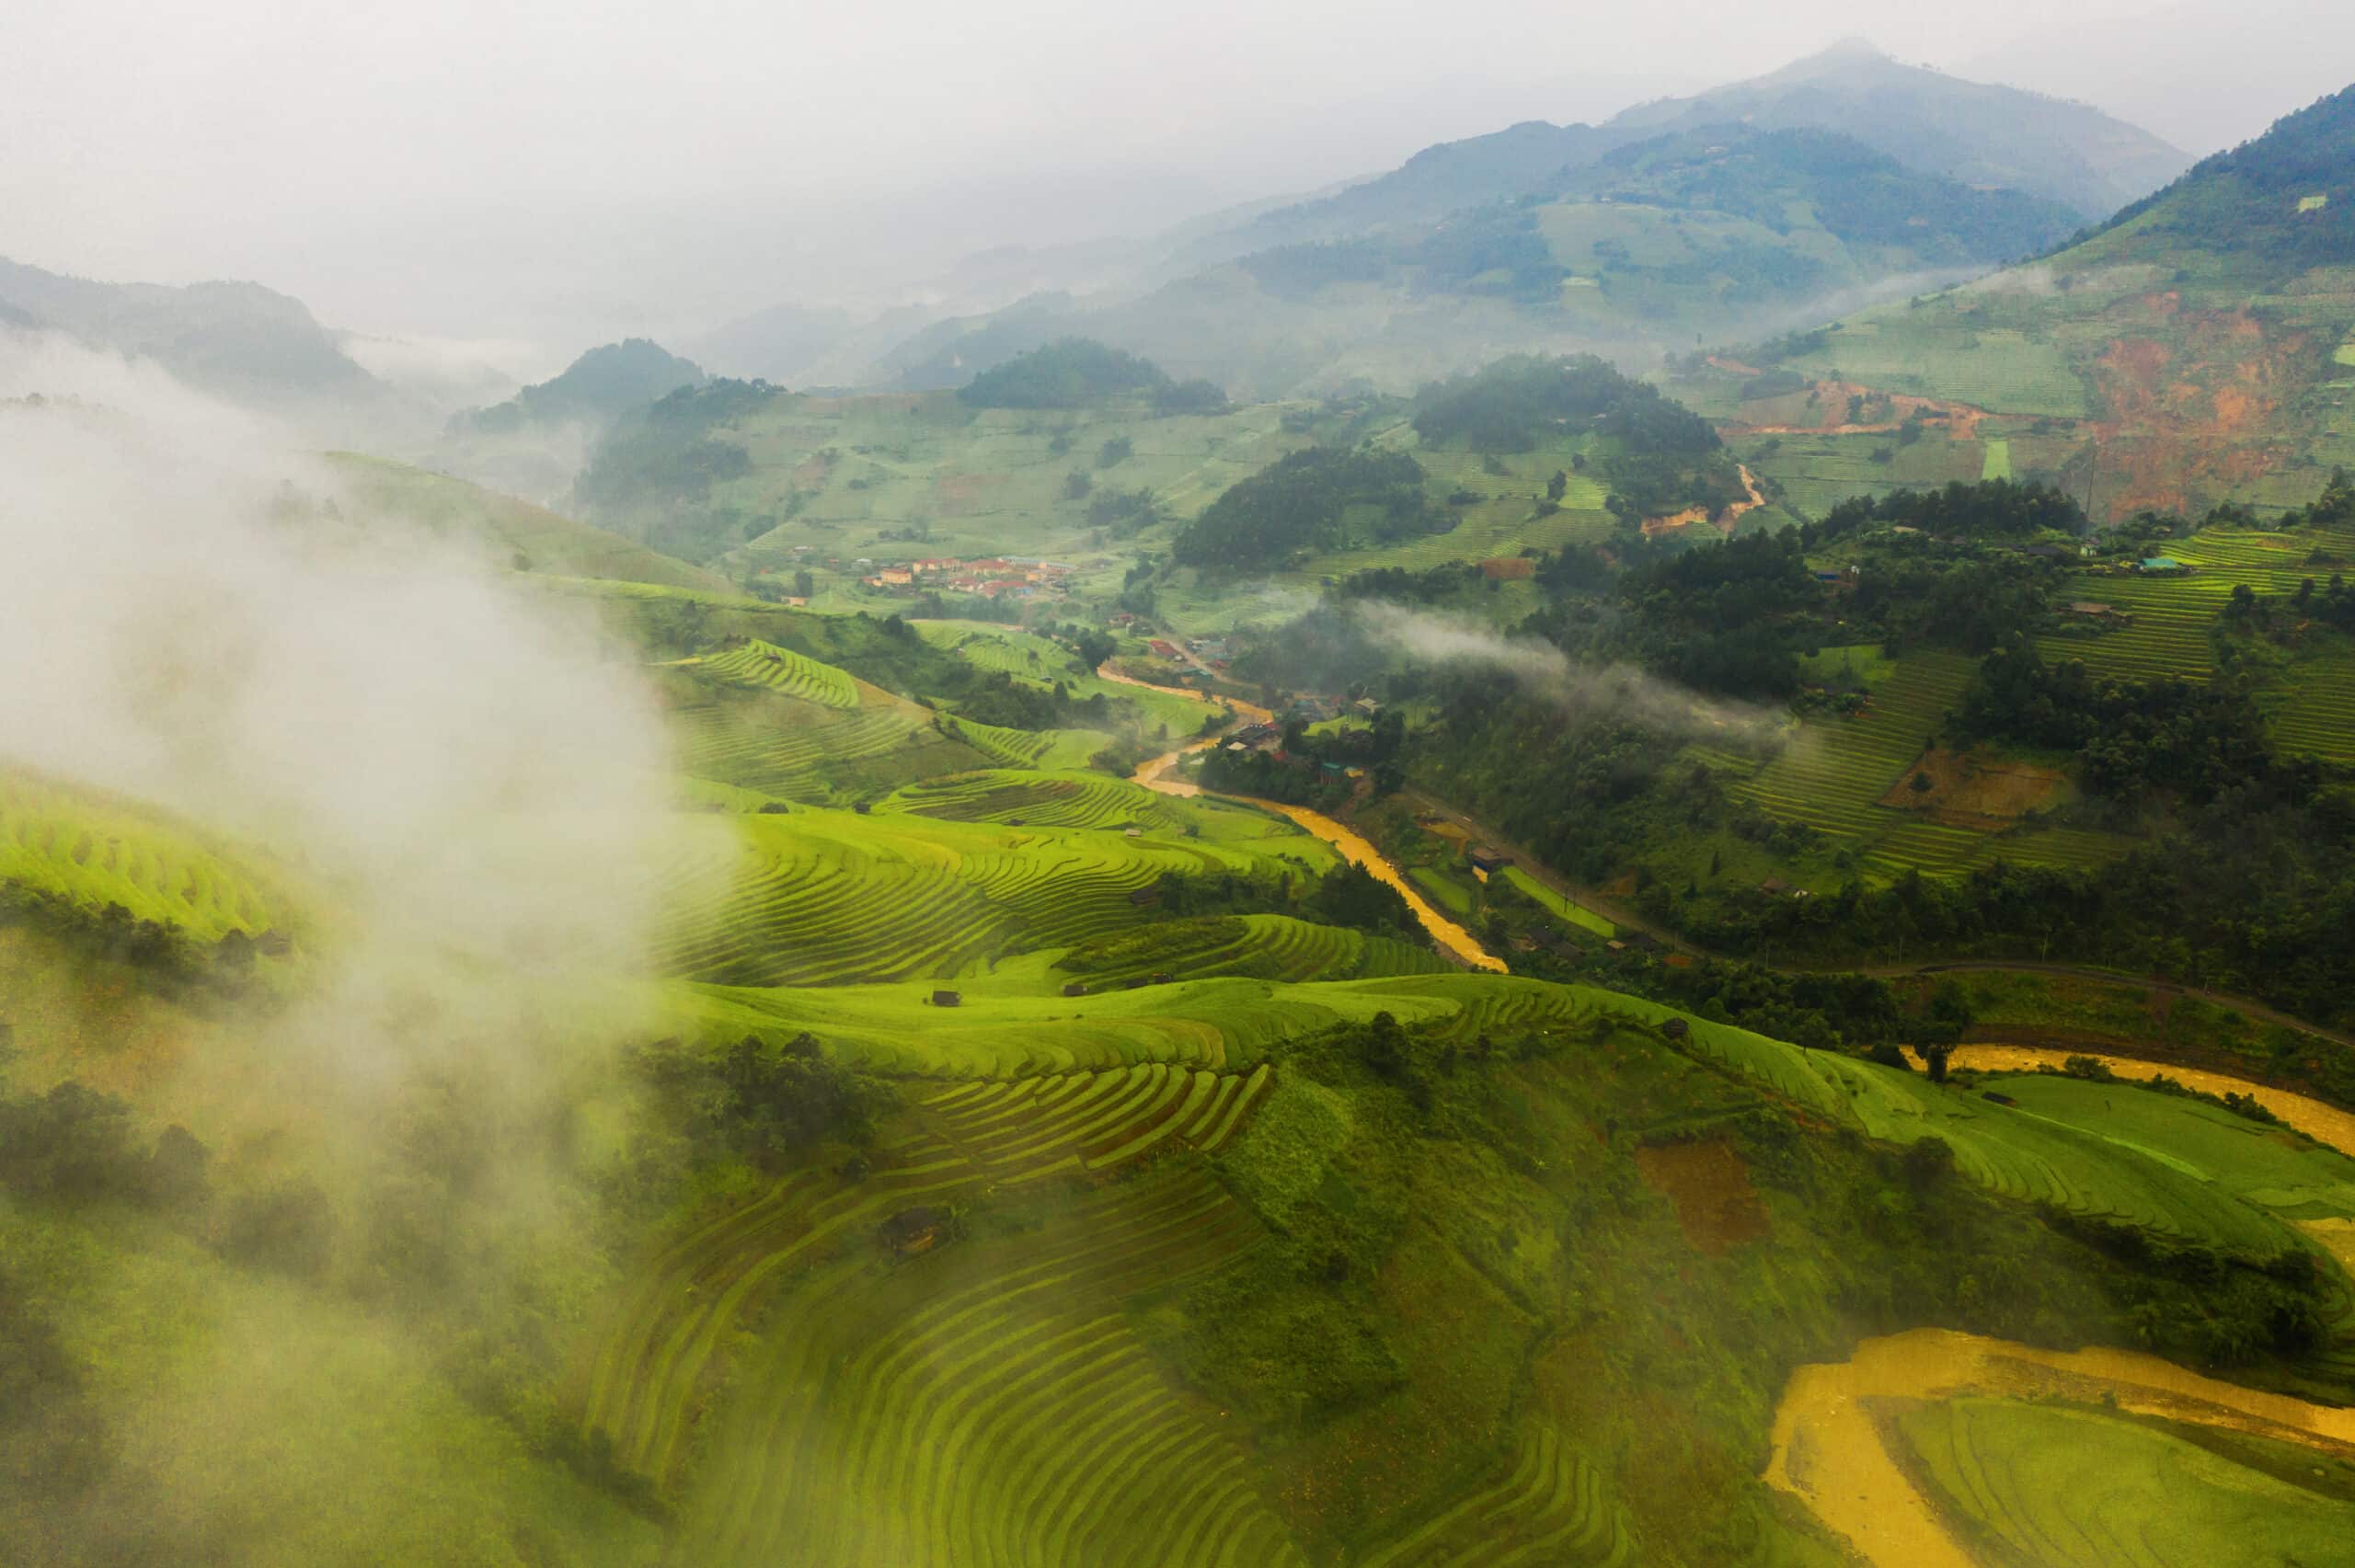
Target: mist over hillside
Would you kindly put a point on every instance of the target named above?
(1256, 829)
(2031, 165)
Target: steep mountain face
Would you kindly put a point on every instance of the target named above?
(2199, 347)
(239, 340)
(2273, 208)
(1697, 236)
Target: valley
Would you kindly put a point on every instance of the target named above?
(1632, 846)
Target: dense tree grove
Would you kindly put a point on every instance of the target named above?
(1991, 509)
(2246, 878)
(1318, 499)
(1072, 373)
(1505, 405)
(653, 473)
(766, 1103)
(2130, 737)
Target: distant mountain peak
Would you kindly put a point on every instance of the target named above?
(601, 385)
(1855, 46)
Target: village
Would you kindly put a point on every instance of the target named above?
(995, 577)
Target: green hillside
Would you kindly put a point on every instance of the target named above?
(2182, 355)
(1705, 234)
(515, 533)
(941, 1199)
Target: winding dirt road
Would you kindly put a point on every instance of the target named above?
(1158, 774)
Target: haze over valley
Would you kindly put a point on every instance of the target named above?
(1023, 785)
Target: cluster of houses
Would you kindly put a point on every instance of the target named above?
(997, 577)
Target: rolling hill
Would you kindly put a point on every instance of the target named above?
(534, 443)
(515, 533)
(1635, 250)
(2195, 348)
(237, 340)
(1982, 135)
(1180, 297)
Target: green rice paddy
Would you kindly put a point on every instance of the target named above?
(1835, 770)
(2061, 1486)
(1577, 914)
(92, 852)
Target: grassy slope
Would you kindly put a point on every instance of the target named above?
(1485, 1384)
(89, 850)
(911, 478)
(530, 538)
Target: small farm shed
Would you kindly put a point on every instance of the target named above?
(1486, 859)
(948, 998)
(1076, 987)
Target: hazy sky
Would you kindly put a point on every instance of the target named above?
(526, 169)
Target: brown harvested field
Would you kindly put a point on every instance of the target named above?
(1968, 791)
(1715, 1205)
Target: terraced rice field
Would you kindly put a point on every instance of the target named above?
(1063, 799)
(93, 851)
(1553, 1510)
(1997, 463)
(756, 663)
(1025, 1128)
(2040, 1159)
(644, 1384)
(1834, 772)
(1042, 662)
(1270, 947)
(1898, 349)
(1219, 1024)
(804, 751)
(830, 898)
(990, 1402)
(2313, 710)
(2312, 703)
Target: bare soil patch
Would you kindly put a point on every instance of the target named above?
(1822, 410)
(1969, 791)
(1715, 1206)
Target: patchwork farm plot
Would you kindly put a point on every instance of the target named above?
(1835, 772)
